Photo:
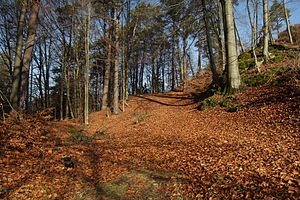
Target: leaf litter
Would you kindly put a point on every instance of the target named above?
(174, 152)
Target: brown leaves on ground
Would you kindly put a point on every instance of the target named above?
(162, 147)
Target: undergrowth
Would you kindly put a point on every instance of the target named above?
(223, 101)
(277, 52)
(142, 117)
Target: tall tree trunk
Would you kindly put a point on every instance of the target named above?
(265, 29)
(107, 71)
(240, 42)
(29, 106)
(14, 95)
(87, 64)
(141, 81)
(47, 56)
(128, 53)
(116, 68)
(69, 106)
(271, 34)
(253, 42)
(221, 33)
(153, 89)
(212, 61)
(233, 75)
(173, 66)
(123, 69)
(32, 26)
(40, 76)
(185, 64)
(61, 100)
(180, 63)
(287, 22)
(77, 90)
(255, 4)
(199, 45)
(163, 71)
(190, 64)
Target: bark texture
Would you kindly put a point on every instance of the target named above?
(14, 95)
(233, 75)
(32, 26)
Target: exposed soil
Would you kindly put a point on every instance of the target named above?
(161, 147)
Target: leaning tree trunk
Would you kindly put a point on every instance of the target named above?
(287, 22)
(32, 26)
(265, 29)
(239, 40)
(233, 75)
(14, 97)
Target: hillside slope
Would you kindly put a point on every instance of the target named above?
(177, 145)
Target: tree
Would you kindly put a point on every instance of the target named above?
(107, 74)
(233, 75)
(14, 95)
(277, 15)
(253, 32)
(116, 68)
(287, 21)
(212, 61)
(221, 34)
(87, 64)
(32, 26)
(266, 30)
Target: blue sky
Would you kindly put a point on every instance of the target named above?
(241, 15)
(294, 6)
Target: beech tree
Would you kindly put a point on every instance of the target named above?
(266, 30)
(212, 61)
(116, 67)
(87, 56)
(32, 26)
(252, 20)
(15, 90)
(287, 21)
(233, 75)
(87, 63)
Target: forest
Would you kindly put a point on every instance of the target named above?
(149, 99)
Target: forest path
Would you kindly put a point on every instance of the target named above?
(164, 147)
(167, 134)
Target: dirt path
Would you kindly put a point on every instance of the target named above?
(164, 147)
(250, 151)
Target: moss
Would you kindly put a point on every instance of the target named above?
(222, 101)
(208, 103)
(244, 56)
(227, 101)
(256, 79)
(246, 64)
(246, 61)
(278, 58)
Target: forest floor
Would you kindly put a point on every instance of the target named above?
(176, 145)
